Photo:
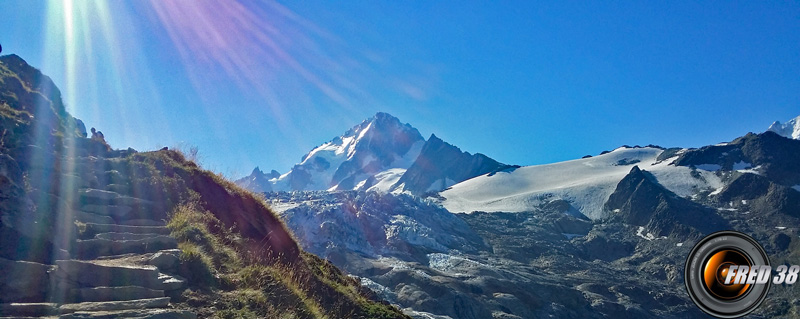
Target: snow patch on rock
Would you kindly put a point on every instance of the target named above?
(790, 129)
(585, 183)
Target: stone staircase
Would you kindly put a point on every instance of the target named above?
(118, 266)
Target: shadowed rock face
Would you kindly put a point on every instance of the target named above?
(777, 157)
(761, 195)
(440, 165)
(639, 200)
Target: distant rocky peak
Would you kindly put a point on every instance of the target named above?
(790, 129)
(257, 172)
(441, 165)
(274, 174)
(641, 200)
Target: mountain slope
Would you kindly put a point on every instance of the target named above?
(585, 183)
(380, 154)
(639, 200)
(353, 159)
(541, 257)
(769, 154)
(441, 165)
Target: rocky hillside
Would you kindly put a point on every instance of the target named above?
(87, 231)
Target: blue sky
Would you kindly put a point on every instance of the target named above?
(525, 82)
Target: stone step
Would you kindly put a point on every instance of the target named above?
(143, 222)
(137, 314)
(118, 188)
(115, 211)
(93, 248)
(124, 236)
(115, 293)
(114, 305)
(92, 229)
(98, 194)
(28, 309)
(23, 281)
(104, 197)
(85, 217)
(82, 274)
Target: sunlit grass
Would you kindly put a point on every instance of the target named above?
(221, 267)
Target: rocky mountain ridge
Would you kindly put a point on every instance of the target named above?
(379, 154)
(553, 254)
(790, 129)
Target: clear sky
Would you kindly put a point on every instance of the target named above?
(525, 82)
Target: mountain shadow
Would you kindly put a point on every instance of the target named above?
(639, 200)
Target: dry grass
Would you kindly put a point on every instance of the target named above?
(246, 287)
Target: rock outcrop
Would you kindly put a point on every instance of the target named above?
(441, 165)
(639, 200)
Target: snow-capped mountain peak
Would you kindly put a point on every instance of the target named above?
(352, 160)
(379, 154)
(790, 129)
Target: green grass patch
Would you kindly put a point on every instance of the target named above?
(191, 226)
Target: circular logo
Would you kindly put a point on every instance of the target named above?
(714, 274)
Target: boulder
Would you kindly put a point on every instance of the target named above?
(166, 260)
(171, 282)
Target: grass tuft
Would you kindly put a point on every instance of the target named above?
(218, 262)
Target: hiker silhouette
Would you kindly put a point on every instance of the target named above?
(98, 136)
